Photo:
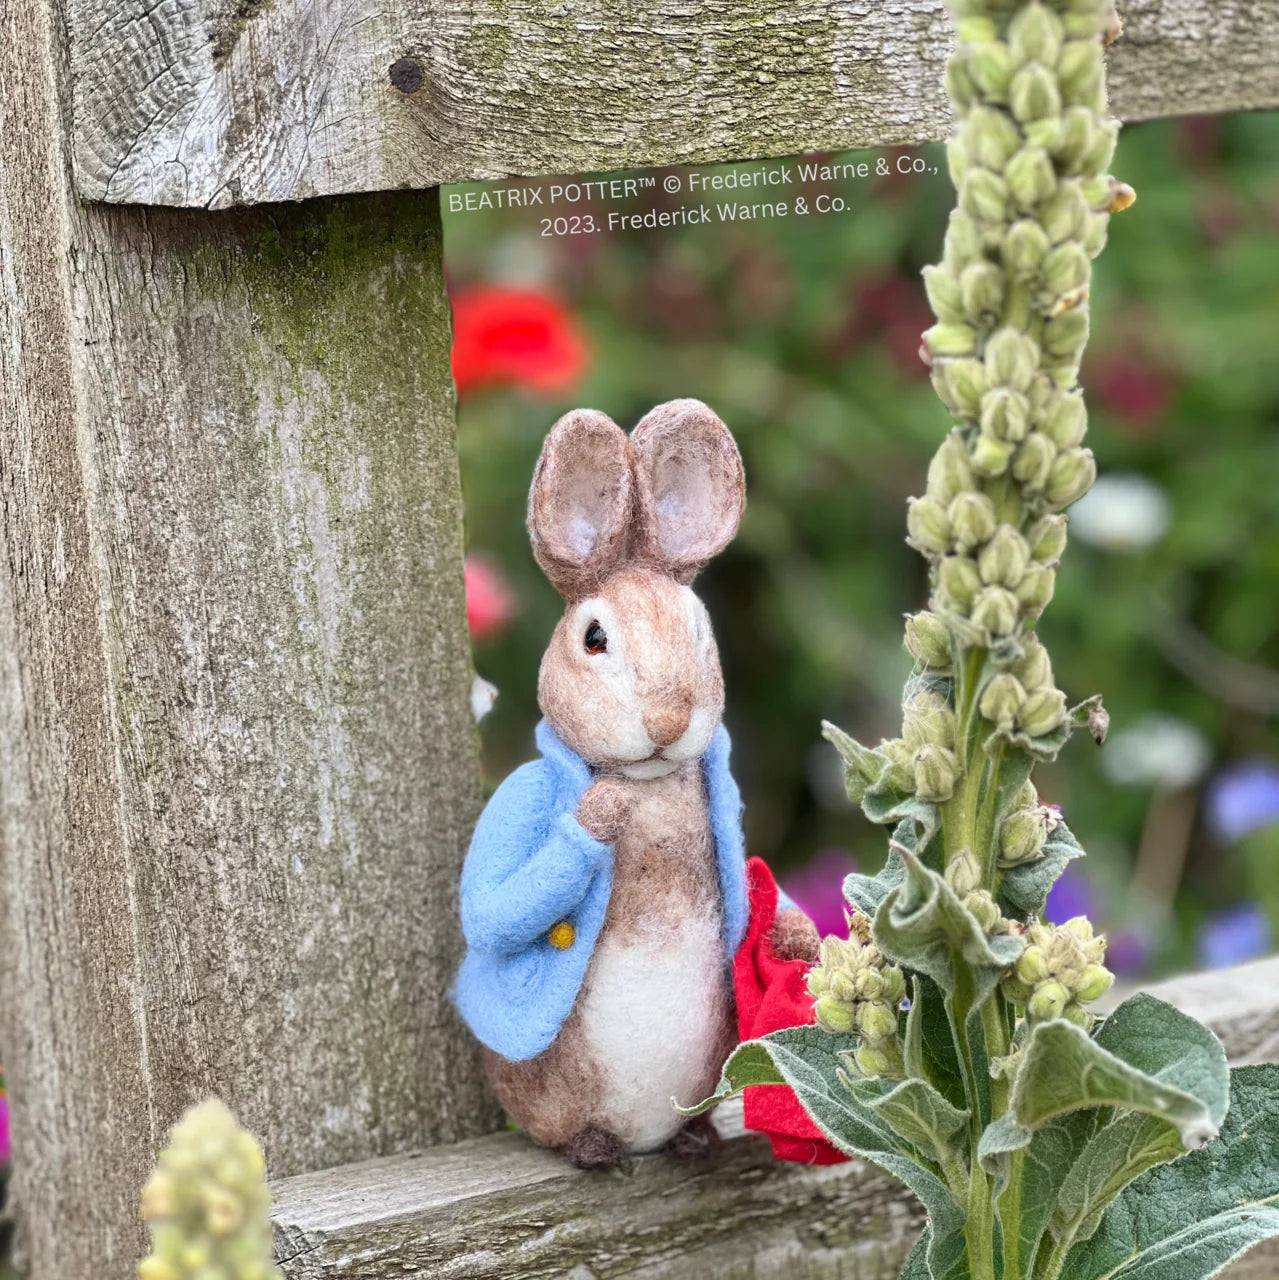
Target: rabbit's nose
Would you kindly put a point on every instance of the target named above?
(667, 723)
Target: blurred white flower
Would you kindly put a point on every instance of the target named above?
(1122, 513)
(1159, 750)
(483, 696)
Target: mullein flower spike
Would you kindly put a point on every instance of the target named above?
(207, 1203)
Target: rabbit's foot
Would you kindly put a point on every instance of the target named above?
(697, 1140)
(595, 1148)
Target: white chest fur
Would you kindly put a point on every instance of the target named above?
(657, 996)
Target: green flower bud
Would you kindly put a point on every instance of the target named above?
(995, 611)
(1034, 670)
(1102, 151)
(1097, 191)
(991, 136)
(1079, 135)
(1035, 35)
(1049, 1001)
(1004, 559)
(990, 456)
(1034, 461)
(1080, 72)
(834, 1015)
(991, 67)
(1022, 837)
(936, 772)
(1094, 983)
(928, 526)
(1030, 177)
(1025, 248)
(1066, 270)
(957, 160)
(1011, 360)
(1066, 334)
(1083, 26)
(1005, 414)
(929, 721)
(869, 984)
(984, 909)
(944, 296)
(1076, 1013)
(1066, 420)
(901, 765)
(1071, 477)
(1043, 712)
(1033, 94)
(982, 288)
(961, 384)
(876, 1023)
(959, 84)
(1047, 538)
(950, 472)
(1016, 992)
(1064, 214)
(963, 241)
(928, 641)
(950, 340)
(1035, 590)
(976, 29)
(1047, 133)
(972, 519)
(984, 195)
(883, 1061)
(1032, 966)
(1096, 234)
(1002, 700)
(963, 873)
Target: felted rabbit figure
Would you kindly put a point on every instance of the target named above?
(604, 893)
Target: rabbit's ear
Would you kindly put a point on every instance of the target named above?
(689, 486)
(580, 504)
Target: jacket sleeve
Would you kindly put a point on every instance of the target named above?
(528, 866)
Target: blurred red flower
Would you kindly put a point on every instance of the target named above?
(1137, 391)
(892, 310)
(490, 603)
(515, 337)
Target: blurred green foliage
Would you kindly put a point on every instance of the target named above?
(802, 333)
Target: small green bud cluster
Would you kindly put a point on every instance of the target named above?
(1022, 698)
(1060, 971)
(964, 875)
(1025, 831)
(923, 760)
(207, 1203)
(855, 989)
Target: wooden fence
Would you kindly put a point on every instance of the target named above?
(237, 764)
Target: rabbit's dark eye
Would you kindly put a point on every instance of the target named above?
(596, 641)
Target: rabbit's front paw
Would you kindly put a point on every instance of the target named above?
(604, 809)
(795, 936)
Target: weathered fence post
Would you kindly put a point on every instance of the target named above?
(237, 764)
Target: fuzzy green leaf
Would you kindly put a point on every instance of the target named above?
(865, 893)
(750, 1064)
(916, 1112)
(809, 1060)
(1191, 1219)
(1024, 889)
(922, 924)
(1147, 1057)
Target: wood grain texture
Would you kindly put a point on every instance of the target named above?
(497, 1208)
(237, 762)
(216, 102)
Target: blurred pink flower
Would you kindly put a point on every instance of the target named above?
(490, 603)
(1137, 391)
(817, 889)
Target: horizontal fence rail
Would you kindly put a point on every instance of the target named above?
(497, 1208)
(221, 102)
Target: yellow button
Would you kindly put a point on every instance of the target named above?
(562, 935)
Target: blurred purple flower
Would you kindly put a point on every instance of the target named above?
(4, 1127)
(1127, 951)
(1071, 896)
(817, 889)
(1233, 936)
(1243, 798)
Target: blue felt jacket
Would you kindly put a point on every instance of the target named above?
(531, 864)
